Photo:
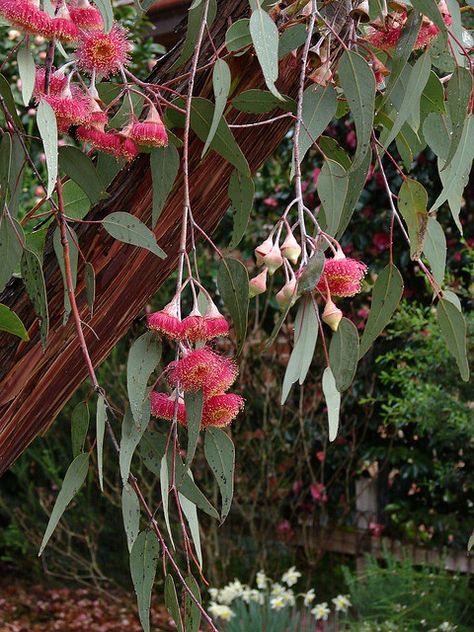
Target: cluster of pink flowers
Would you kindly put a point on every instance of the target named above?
(199, 367)
(98, 54)
(385, 35)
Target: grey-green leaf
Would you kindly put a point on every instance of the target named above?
(195, 15)
(101, 418)
(129, 229)
(33, 278)
(193, 400)
(73, 258)
(190, 511)
(89, 280)
(412, 202)
(172, 603)
(332, 187)
(80, 168)
(164, 164)
(233, 285)
(435, 249)
(130, 514)
(358, 82)
(344, 354)
(75, 477)
(357, 178)
(105, 8)
(264, 34)
(386, 296)
(333, 402)
(453, 329)
(143, 358)
(11, 236)
(221, 80)
(193, 614)
(143, 563)
(79, 427)
(130, 438)
(241, 194)
(311, 273)
(256, 101)
(220, 455)
(48, 129)
(164, 486)
(26, 68)
(459, 92)
(11, 323)
(238, 35)
(292, 38)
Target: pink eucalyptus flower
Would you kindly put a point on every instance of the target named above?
(104, 53)
(221, 409)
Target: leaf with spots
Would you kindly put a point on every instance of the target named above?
(220, 455)
(143, 563)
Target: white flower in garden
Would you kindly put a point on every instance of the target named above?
(447, 627)
(277, 590)
(257, 596)
(261, 580)
(213, 592)
(291, 576)
(309, 597)
(221, 612)
(277, 603)
(321, 611)
(246, 594)
(230, 592)
(341, 603)
(289, 597)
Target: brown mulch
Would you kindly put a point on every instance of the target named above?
(34, 608)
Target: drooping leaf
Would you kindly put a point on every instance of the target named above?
(193, 614)
(453, 329)
(130, 514)
(386, 296)
(33, 278)
(256, 101)
(26, 68)
(130, 438)
(331, 149)
(129, 229)
(344, 354)
(220, 455)
(432, 98)
(195, 17)
(79, 427)
(233, 285)
(278, 325)
(143, 358)
(221, 80)
(193, 400)
(105, 8)
(318, 109)
(11, 237)
(358, 82)
(292, 38)
(437, 132)
(190, 511)
(73, 259)
(5, 167)
(101, 418)
(48, 129)
(238, 35)
(7, 95)
(241, 194)
(143, 564)
(165, 486)
(89, 280)
(311, 272)
(435, 249)
(357, 179)
(172, 603)
(412, 201)
(10, 323)
(76, 202)
(459, 93)
(306, 336)
(164, 165)
(453, 298)
(75, 477)
(264, 34)
(430, 9)
(333, 402)
(333, 182)
(80, 168)
(17, 173)
(223, 142)
(152, 447)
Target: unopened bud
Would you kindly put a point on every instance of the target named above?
(263, 250)
(287, 294)
(258, 285)
(291, 249)
(273, 260)
(361, 11)
(332, 315)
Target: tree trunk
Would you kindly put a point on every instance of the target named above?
(35, 384)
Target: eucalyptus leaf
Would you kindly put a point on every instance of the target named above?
(143, 358)
(130, 514)
(130, 438)
(435, 249)
(129, 229)
(89, 280)
(164, 165)
(143, 563)
(332, 187)
(344, 354)
(311, 273)
(193, 614)
(256, 101)
(27, 70)
(106, 10)
(164, 486)
(48, 129)
(292, 38)
(357, 179)
(220, 455)
(333, 402)
(172, 603)
(190, 511)
(459, 91)
(233, 285)
(193, 401)
(264, 34)
(453, 329)
(412, 202)
(11, 323)
(33, 278)
(221, 80)
(195, 17)
(73, 260)
(238, 35)
(80, 168)
(101, 418)
(79, 427)
(241, 194)
(11, 239)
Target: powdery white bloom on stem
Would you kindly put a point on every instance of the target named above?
(291, 577)
(221, 612)
(341, 603)
(321, 611)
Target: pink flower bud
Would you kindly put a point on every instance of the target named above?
(273, 260)
(263, 250)
(332, 315)
(287, 294)
(291, 249)
(258, 285)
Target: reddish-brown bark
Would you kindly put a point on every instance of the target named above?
(35, 385)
